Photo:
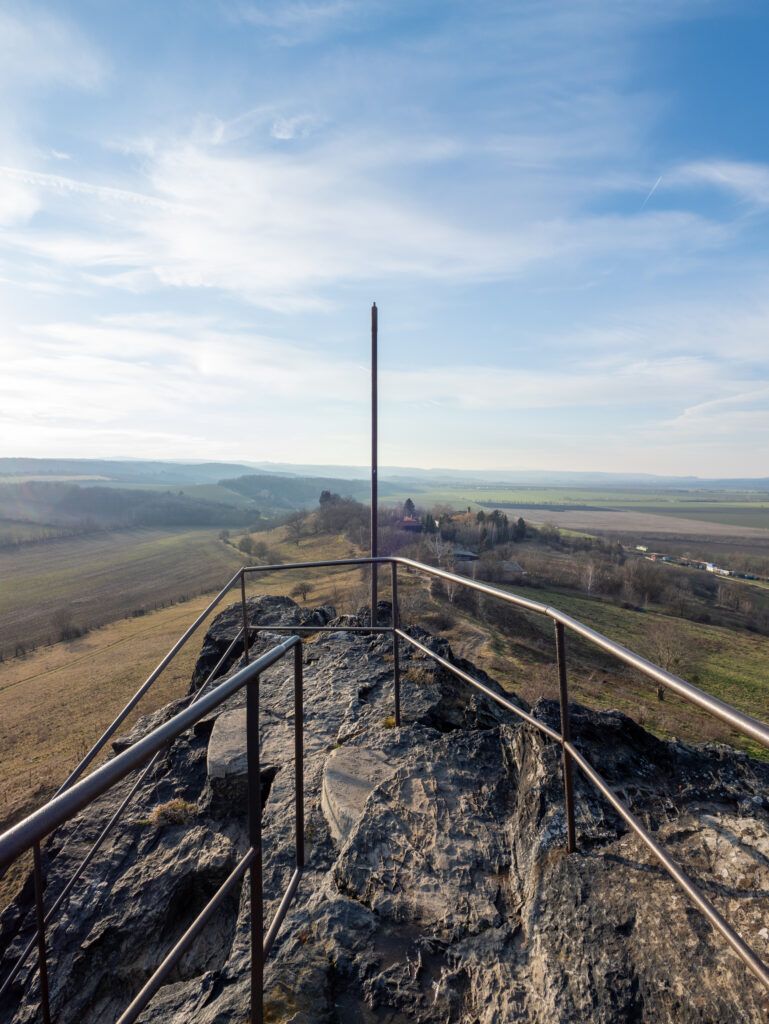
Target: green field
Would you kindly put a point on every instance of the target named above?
(104, 576)
(730, 514)
(719, 507)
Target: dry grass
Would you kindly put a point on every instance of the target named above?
(729, 664)
(55, 702)
(172, 812)
(347, 590)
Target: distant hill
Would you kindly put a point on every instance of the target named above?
(275, 491)
(124, 471)
(83, 495)
(414, 476)
(70, 505)
(351, 480)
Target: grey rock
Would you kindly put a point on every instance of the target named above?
(437, 888)
(264, 611)
(350, 776)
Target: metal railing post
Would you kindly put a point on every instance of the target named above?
(299, 752)
(256, 895)
(374, 460)
(568, 783)
(41, 954)
(396, 647)
(245, 615)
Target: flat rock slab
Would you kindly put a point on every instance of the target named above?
(350, 775)
(227, 746)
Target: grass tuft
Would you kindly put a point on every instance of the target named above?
(173, 812)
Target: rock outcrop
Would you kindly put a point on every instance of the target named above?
(437, 888)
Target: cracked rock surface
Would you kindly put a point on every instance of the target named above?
(437, 888)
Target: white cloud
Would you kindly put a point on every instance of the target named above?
(290, 23)
(280, 228)
(173, 385)
(746, 181)
(506, 144)
(299, 126)
(38, 48)
(18, 202)
(63, 186)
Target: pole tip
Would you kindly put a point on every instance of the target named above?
(373, 305)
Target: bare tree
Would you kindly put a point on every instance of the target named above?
(669, 647)
(449, 585)
(589, 576)
(295, 527)
(62, 622)
(440, 547)
(302, 589)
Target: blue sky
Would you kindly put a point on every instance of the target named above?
(561, 209)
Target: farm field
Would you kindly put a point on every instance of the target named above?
(731, 515)
(637, 523)
(693, 513)
(102, 577)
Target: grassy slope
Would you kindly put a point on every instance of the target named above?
(104, 577)
(729, 664)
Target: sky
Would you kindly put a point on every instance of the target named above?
(560, 208)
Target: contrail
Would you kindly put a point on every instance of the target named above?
(654, 188)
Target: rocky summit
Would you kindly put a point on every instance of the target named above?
(437, 886)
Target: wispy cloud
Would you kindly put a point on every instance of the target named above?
(38, 48)
(479, 168)
(292, 23)
(747, 181)
(62, 185)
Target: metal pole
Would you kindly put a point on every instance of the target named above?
(396, 648)
(41, 955)
(299, 753)
(255, 842)
(374, 461)
(568, 784)
(245, 615)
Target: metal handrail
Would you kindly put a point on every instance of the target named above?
(113, 820)
(746, 724)
(109, 732)
(68, 802)
(29, 833)
(111, 729)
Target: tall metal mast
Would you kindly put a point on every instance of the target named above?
(374, 464)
